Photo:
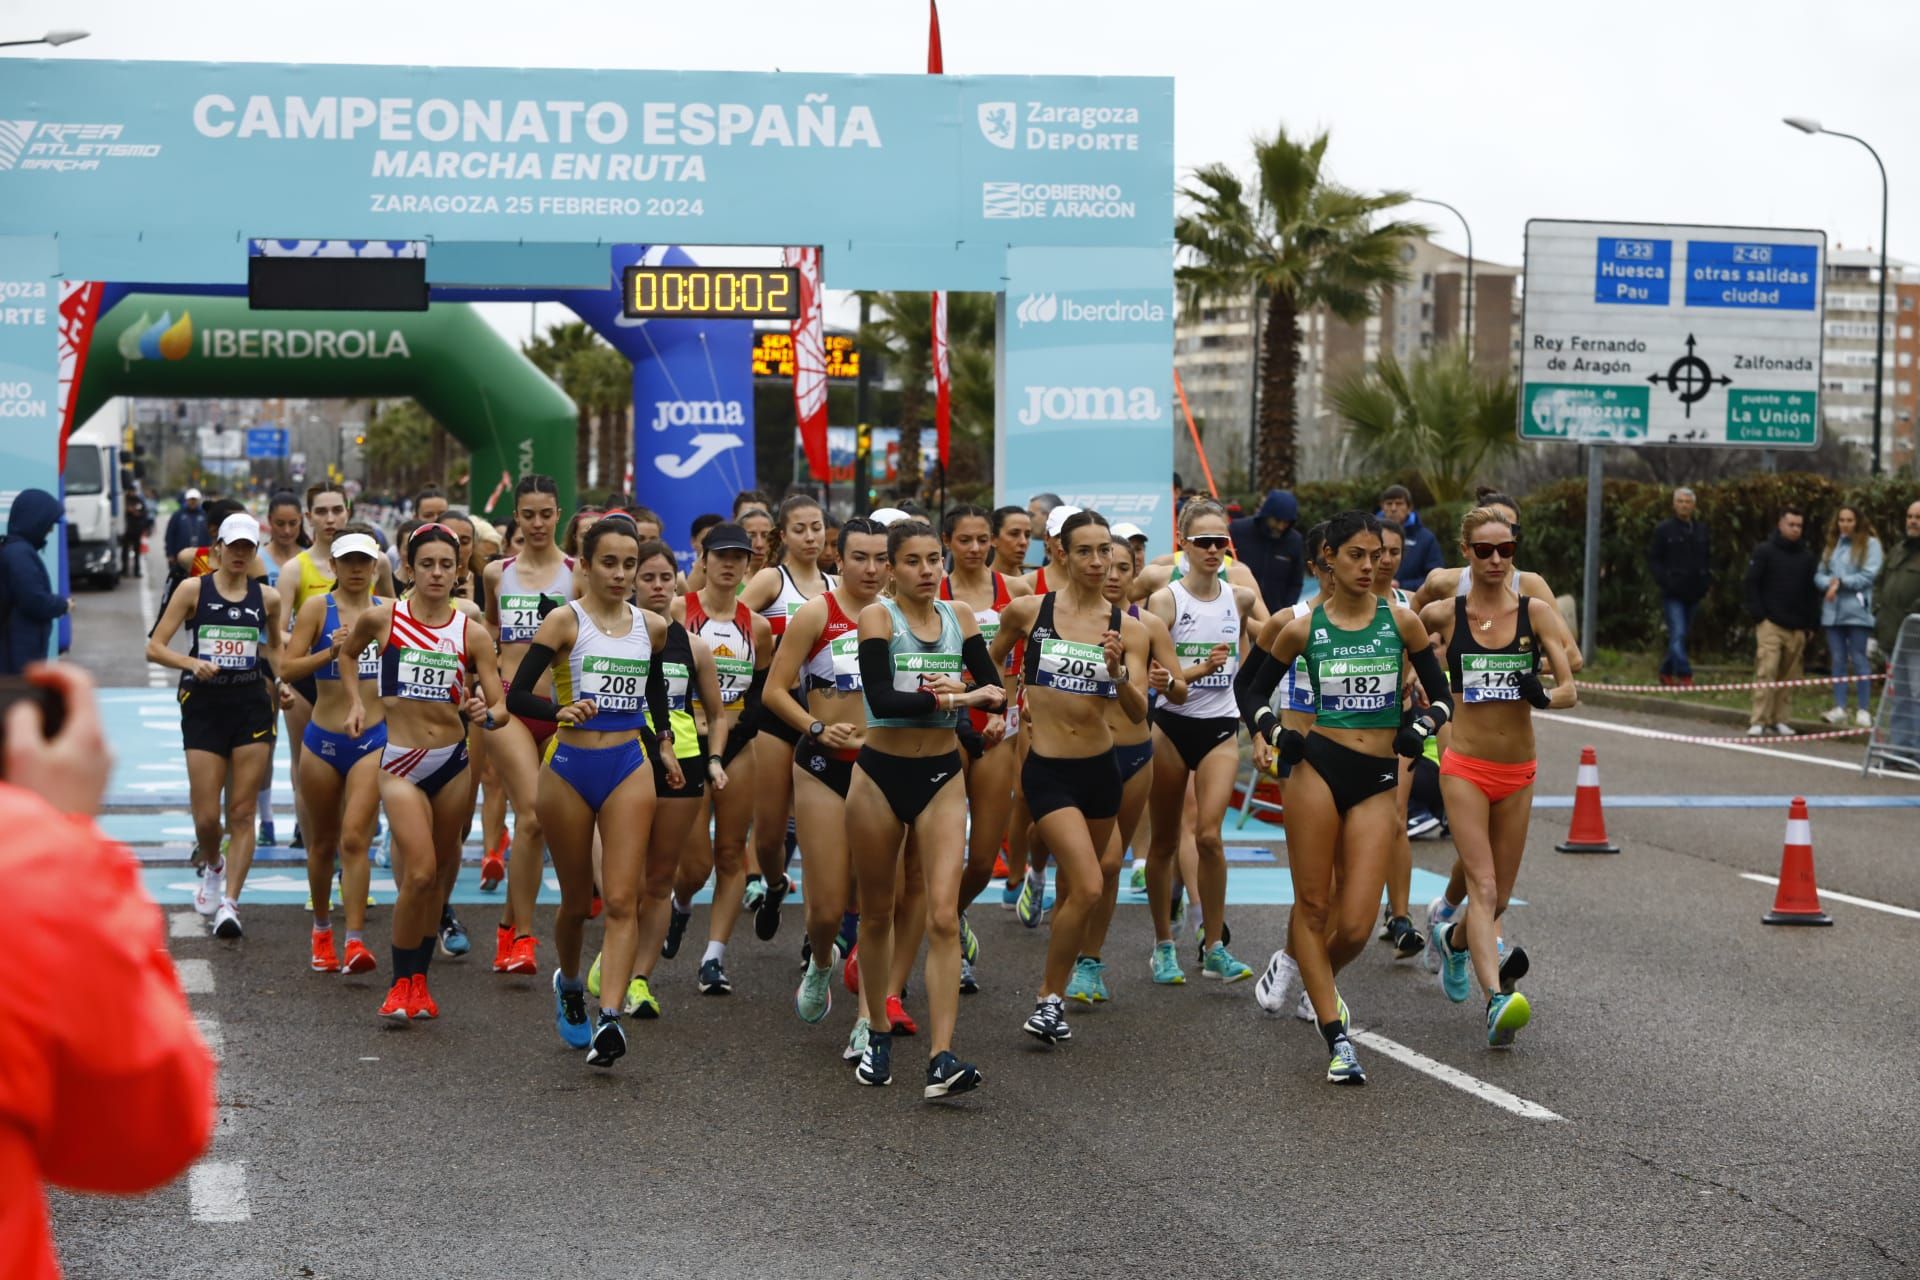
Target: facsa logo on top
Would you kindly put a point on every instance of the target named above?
(1044, 127)
(35, 144)
(1089, 404)
(1045, 308)
(1054, 200)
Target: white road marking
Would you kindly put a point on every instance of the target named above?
(185, 924)
(1797, 757)
(1847, 898)
(196, 976)
(1458, 1079)
(218, 1189)
(210, 1032)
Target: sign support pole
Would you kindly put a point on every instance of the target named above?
(1590, 572)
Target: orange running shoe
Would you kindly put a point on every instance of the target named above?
(903, 1023)
(999, 866)
(493, 867)
(522, 960)
(850, 974)
(397, 1001)
(419, 1000)
(325, 958)
(359, 959)
(595, 907)
(502, 948)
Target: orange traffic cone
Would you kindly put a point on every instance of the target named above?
(1588, 834)
(1797, 901)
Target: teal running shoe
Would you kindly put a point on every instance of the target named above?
(857, 1041)
(754, 894)
(1100, 993)
(815, 995)
(1507, 1012)
(1456, 977)
(1166, 965)
(969, 941)
(1223, 967)
(1345, 1067)
(1085, 982)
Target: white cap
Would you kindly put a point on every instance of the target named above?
(238, 527)
(1126, 529)
(1058, 517)
(355, 544)
(191, 495)
(888, 516)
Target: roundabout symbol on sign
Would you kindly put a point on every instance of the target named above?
(1689, 378)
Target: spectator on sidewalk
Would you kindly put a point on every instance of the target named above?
(1782, 602)
(133, 531)
(1896, 597)
(1269, 545)
(28, 603)
(105, 1084)
(1423, 549)
(187, 527)
(1679, 557)
(1845, 580)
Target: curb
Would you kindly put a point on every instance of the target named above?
(1653, 705)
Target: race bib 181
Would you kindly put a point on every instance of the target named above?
(424, 675)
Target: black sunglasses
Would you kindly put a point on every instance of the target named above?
(1211, 542)
(1485, 550)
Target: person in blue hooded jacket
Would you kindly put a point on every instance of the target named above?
(28, 602)
(1269, 545)
(1423, 554)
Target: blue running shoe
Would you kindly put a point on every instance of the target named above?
(454, 942)
(876, 1063)
(1456, 977)
(609, 1040)
(676, 929)
(1166, 965)
(969, 980)
(266, 833)
(1048, 1022)
(1032, 904)
(713, 978)
(947, 1075)
(1345, 1066)
(1084, 985)
(1507, 1012)
(570, 1013)
(1009, 896)
(969, 942)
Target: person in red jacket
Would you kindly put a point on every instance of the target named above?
(105, 1084)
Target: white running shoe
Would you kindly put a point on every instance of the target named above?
(1784, 729)
(1756, 731)
(1275, 987)
(1834, 715)
(1863, 718)
(226, 922)
(206, 894)
(1439, 912)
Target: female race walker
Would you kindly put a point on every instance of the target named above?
(822, 650)
(1081, 650)
(228, 706)
(437, 673)
(339, 776)
(286, 538)
(520, 592)
(1340, 798)
(776, 594)
(601, 649)
(907, 784)
(1197, 740)
(1494, 641)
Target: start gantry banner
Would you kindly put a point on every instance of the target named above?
(191, 155)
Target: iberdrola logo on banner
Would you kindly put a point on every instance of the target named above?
(162, 339)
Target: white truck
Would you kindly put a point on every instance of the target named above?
(95, 496)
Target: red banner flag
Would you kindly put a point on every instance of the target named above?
(934, 65)
(810, 362)
(79, 308)
(942, 379)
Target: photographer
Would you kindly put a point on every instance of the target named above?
(105, 1084)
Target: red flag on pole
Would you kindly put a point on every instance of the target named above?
(810, 363)
(942, 379)
(934, 66)
(79, 308)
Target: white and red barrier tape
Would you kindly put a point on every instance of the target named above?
(1741, 687)
(1765, 740)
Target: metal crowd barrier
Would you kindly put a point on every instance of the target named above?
(1895, 740)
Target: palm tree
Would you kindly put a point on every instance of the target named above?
(555, 353)
(1298, 240)
(1439, 416)
(902, 326)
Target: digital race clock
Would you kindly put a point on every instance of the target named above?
(711, 293)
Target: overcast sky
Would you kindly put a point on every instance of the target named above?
(1633, 111)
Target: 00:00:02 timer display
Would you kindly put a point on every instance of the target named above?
(739, 293)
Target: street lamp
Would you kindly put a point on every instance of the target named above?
(1469, 230)
(1805, 125)
(52, 37)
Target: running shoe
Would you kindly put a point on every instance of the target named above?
(849, 935)
(1138, 881)
(1100, 993)
(570, 1013)
(1304, 1009)
(358, 958)
(1166, 965)
(454, 942)
(1832, 715)
(1009, 896)
(609, 1040)
(857, 1041)
(676, 929)
(1032, 905)
(813, 999)
(756, 892)
(969, 981)
(1082, 986)
(266, 836)
(595, 907)
(1046, 1023)
(1406, 940)
(325, 958)
(903, 1023)
(1756, 731)
(1421, 824)
(713, 978)
(969, 941)
(1276, 985)
(420, 1002)
(502, 947)
(381, 852)
(226, 921)
(523, 959)
(593, 976)
(1439, 912)
(493, 867)
(1863, 718)
(1177, 905)
(947, 1075)
(876, 1062)
(1513, 967)
(640, 1002)
(1783, 729)
(1000, 863)
(395, 1005)
(1221, 966)
(1345, 1066)
(206, 894)
(1386, 924)
(850, 972)
(1507, 1012)
(1200, 939)
(766, 916)
(1456, 975)
(300, 842)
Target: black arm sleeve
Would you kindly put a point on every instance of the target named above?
(1433, 680)
(980, 668)
(656, 696)
(1253, 687)
(752, 712)
(521, 699)
(876, 679)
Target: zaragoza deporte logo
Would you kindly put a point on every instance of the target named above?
(162, 339)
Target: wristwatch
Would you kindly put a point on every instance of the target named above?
(815, 729)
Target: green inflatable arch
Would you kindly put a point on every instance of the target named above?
(448, 358)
